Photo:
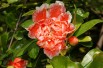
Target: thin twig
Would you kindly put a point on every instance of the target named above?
(17, 24)
(100, 41)
(12, 38)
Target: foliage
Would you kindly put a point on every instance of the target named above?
(16, 16)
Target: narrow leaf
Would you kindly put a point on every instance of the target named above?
(27, 23)
(20, 51)
(12, 1)
(49, 66)
(88, 58)
(86, 26)
(85, 39)
(28, 13)
(4, 39)
(87, 44)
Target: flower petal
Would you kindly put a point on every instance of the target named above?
(71, 28)
(51, 52)
(40, 13)
(33, 30)
(66, 17)
(17, 60)
(56, 9)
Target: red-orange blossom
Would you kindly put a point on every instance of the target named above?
(51, 26)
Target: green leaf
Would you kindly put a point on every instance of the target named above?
(64, 62)
(1, 29)
(88, 58)
(2, 56)
(33, 51)
(49, 66)
(19, 35)
(28, 13)
(86, 26)
(27, 23)
(10, 20)
(82, 13)
(10, 67)
(4, 5)
(0, 62)
(87, 44)
(21, 50)
(97, 61)
(48, 1)
(79, 21)
(12, 1)
(85, 39)
(3, 41)
(86, 15)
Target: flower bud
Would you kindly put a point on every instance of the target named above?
(73, 40)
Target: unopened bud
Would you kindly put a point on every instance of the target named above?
(73, 40)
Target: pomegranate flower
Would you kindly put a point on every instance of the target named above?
(18, 63)
(51, 26)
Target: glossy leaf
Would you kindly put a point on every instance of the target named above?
(82, 13)
(28, 13)
(97, 61)
(85, 39)
(64, 62)
(49, 66)
(79, 21)
(88, 58)
(87, 44)
(19, 35)
(4, 5)
(10, 67)
(10, 20)
(12, 1)
(27, 23)
(3, 41)
(1, 29)
(86, 26)
(21, 50)
(33, 51)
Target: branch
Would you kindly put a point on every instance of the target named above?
(100, 42)
(12, 38)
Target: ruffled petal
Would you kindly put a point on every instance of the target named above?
(51, 52)
(71, 28)
(17, 60)
(56, 9)
(40, 13)
(66, 17)
(33, 31)
(52, 25)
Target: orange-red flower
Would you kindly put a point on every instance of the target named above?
(51, 26)
(18, 63)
